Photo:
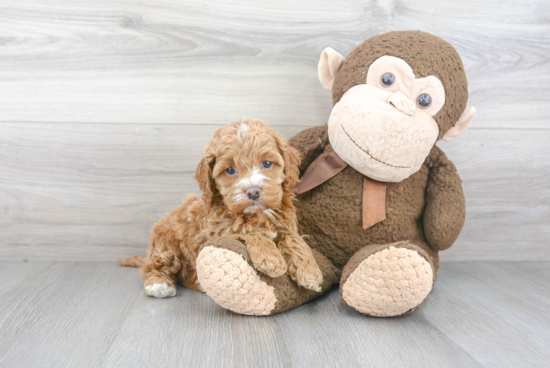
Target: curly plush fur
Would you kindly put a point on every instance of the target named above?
(258, 158)
(389, 268)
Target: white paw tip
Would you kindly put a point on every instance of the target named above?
(315, 287)
(161, 290)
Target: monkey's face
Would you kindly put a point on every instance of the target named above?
(385, 128)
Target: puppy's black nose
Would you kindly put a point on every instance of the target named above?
(253, 193)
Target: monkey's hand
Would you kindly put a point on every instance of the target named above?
(310, 143)
(445, 208)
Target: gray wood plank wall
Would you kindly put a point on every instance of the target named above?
(105, 106)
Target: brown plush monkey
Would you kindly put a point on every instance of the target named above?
(378, 199)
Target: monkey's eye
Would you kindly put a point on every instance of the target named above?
(231, 171)
(387, 80)
(424, 100)
(267, 164)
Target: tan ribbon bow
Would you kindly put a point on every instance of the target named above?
(374, 192)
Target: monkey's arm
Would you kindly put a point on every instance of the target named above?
(445, 208)
(310, 143)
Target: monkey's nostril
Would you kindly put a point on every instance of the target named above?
(253, 193)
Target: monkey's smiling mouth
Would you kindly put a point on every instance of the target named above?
(371, 156)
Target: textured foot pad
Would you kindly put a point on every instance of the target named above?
(227, 278)
(161, 290)
(389, 283)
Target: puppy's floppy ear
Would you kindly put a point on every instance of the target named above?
(292, 160)
(203, 176)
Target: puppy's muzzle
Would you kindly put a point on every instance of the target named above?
(253, 193)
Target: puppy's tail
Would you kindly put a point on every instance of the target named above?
(135, 261)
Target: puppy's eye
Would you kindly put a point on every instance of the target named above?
(387, 80)
(231, 171)
(424, 101)
(267, 164)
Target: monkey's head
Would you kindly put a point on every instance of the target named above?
(394, 96)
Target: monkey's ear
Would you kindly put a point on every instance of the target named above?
(461, 125)
(329, 64)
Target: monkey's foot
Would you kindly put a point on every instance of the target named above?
(391, 282)
(226, 274)
(232, 282)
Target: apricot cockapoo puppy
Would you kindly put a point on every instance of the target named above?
(247, 176)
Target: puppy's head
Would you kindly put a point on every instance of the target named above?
(249, 167)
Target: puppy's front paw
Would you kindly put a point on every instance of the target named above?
(268, 260)
(307, 274)
(160, 290)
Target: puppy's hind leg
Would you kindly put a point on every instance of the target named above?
(160, 269)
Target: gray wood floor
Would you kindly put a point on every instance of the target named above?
(91, 314)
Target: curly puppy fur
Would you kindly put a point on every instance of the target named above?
(244, 160)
